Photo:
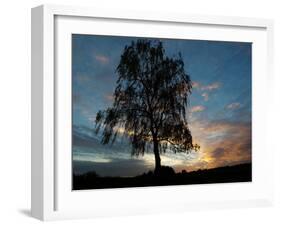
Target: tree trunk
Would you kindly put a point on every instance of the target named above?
(156, 155)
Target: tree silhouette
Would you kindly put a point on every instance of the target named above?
(150, 102)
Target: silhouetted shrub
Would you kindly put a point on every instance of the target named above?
(165, 171)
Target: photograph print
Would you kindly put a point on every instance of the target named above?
(159, 112)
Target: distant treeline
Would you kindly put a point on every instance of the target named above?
(167, 176)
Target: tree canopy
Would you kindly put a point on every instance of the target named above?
(150, 101)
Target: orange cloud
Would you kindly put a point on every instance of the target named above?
(198, 108)
(222, 143)
(195, 84)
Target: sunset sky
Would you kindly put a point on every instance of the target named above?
(219, 115)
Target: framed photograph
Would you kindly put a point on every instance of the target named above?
(137, 112)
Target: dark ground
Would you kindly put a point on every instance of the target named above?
(228, 174)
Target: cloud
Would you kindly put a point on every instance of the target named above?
(233, 106)
(116, 167)
(102, 59)
(198, 108)
(205, 96)
(218, 152)
(195, 84)
(206, 89)
(209, 87)
(222, 143)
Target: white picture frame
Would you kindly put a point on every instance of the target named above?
(52, 197)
